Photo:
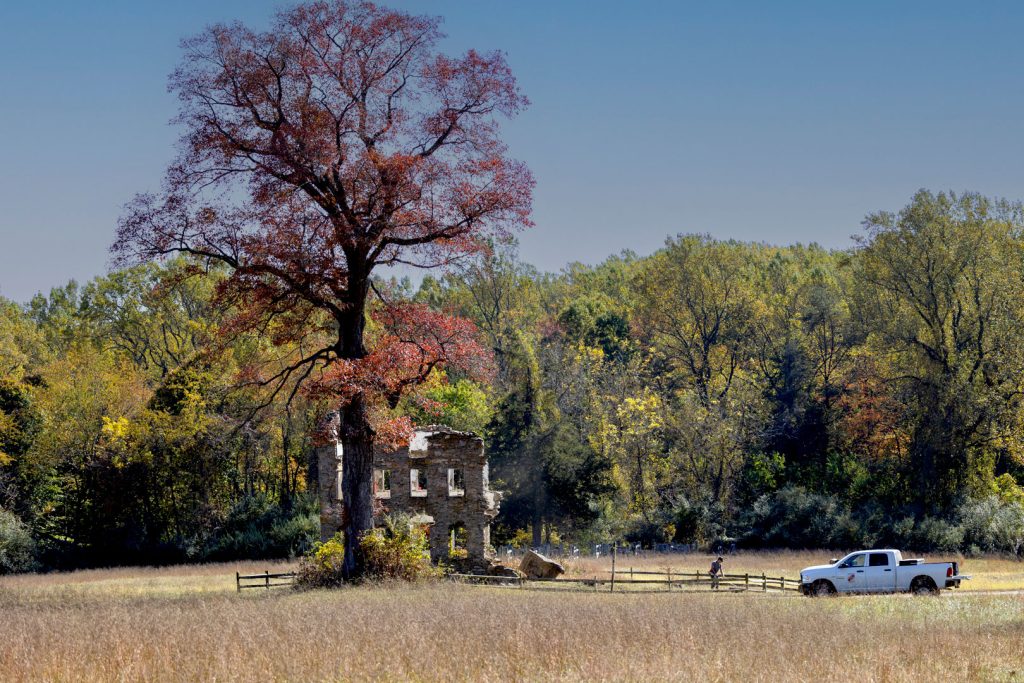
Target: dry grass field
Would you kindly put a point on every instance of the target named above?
(189, 624)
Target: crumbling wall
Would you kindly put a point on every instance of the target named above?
(455, 494)
(328, 457)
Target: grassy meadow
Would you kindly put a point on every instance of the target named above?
(189, 624)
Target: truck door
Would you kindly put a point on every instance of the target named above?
(851, 574)
(880, 573)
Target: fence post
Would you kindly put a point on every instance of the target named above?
(764, 582)
(238, 582)
(267, 573)
(746, 582)
(668, 573)
(614, 553)
(782, 583)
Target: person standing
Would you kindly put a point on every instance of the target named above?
(716, 573)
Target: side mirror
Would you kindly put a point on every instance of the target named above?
(833, 560)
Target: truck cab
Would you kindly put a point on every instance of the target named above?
(867, 572)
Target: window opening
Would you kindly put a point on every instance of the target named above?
(382, 483)
(417, 483)
(456, 482)
(457, 540)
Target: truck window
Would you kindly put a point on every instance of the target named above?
(878, 560)
(855, 561)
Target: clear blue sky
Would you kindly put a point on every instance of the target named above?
(772, 121)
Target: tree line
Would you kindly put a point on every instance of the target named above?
(766, 395)
(712, 391)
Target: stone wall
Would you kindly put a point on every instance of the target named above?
(455, 494)
(328, 458)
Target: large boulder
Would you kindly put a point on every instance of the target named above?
(536, 566)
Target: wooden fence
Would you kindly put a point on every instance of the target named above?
(612, 580)
(633, 580)
(264, 580)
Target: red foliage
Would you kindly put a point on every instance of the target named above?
(414, 341)
(871, 416)
(337, 141)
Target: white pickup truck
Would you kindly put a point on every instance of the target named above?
(879, 571)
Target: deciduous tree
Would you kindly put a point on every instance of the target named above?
(335, 142)
(942, 287)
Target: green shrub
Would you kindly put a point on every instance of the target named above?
(934, 534)
(258, 528)
(793, 517)
(397, 551)
(993, 525)
(17, 549)
(322, 566)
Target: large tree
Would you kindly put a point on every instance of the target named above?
(941, 288)
(337, 141)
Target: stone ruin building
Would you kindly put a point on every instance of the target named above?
(440, 480)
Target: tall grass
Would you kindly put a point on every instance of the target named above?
(189, 624)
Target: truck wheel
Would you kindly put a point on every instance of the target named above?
(822, 588)
(923, 585)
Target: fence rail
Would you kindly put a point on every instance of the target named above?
(626, 580)
(265, 580)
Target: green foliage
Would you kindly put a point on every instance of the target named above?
(540, 456)
(932, 534)
(796, 518)
(322, 566)
(943, 294)
(398, 550)
(764, 471)
(993, 525)
(145, 448)
(694, 523)
(257, 528)
(20, 422)
(461, 405)
(1007, 489)
(21, 344)
(519, 538)
(597, 323)
(17, 549)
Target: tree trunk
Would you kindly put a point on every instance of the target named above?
(356, 482)
(285, 495)
(312, 472)
(538, 508)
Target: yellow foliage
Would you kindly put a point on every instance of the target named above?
(1007, 488)
(640, 414)
(116, 430)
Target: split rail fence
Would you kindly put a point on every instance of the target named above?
(622, 581)
(265, 580)
(630, 580)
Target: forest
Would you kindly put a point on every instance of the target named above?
(771, 396)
